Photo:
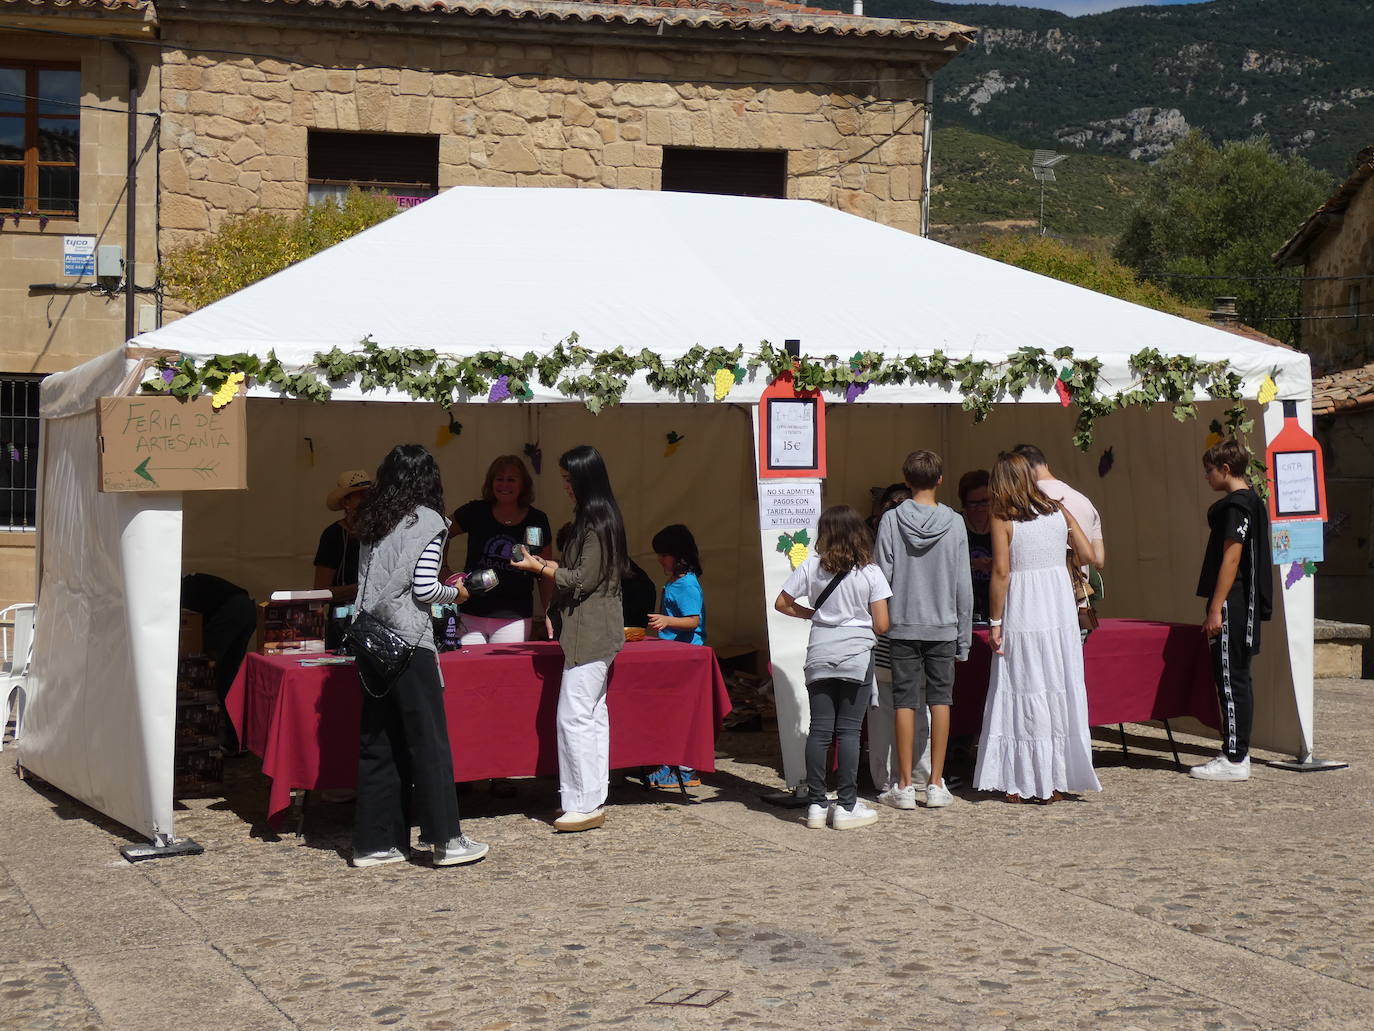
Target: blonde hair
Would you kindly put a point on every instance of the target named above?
(1015, 494)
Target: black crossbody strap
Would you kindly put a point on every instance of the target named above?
(829, 590)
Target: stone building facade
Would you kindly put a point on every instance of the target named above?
(64, 163)
(268, 104)
(1335, 247)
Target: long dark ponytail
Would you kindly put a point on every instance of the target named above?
(597, 511)
(407, 479)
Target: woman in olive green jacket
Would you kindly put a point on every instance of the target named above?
(588, 599)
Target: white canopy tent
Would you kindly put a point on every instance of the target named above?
(517, 270)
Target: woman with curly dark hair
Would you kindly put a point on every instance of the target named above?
(848, 596)
(588, 587)
(403, 747)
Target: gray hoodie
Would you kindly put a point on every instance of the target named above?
(923, 552)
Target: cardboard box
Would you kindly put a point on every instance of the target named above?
(292, 627)
(158, 443)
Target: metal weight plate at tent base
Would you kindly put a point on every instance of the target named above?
(1311, 764)
(161, 849)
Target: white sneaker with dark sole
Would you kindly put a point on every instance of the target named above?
(1222, 768)
(861, 815)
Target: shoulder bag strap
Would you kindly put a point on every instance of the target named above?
(829, 590)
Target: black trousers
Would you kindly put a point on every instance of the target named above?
(225, 634)
(837, 712)
(404, 760)
(1231, 672)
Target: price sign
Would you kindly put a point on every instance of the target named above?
(791, 431)
(1295, 484)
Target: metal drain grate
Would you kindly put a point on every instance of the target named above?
(698, 997)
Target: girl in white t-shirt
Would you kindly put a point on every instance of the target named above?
(848, 595)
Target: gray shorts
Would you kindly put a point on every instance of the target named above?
(922, 668)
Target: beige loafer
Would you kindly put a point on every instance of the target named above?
(571, 822)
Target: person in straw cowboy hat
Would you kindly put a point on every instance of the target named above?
(336, 558)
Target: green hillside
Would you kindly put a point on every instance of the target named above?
(982, 183)
(1133, 81)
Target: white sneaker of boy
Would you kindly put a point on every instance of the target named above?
(1222, 768)
(861, 815)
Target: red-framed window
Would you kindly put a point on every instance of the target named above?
(40, 137)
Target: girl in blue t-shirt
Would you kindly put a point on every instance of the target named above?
(683, 617)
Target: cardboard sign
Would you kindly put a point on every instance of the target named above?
(1296, 471)
(151, 443)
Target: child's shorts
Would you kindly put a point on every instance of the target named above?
(922, 667)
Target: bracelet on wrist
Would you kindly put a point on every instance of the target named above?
(994, 622)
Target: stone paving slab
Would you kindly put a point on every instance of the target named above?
(1161, 903)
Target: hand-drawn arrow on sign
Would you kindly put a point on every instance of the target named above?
(205, 472)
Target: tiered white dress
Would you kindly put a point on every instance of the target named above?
(1035, 724)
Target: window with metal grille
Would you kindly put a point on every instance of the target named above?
(40, 137)
(19, 462)
(406, 167)
(737, 173)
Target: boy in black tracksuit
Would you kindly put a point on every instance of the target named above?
(1238, 584)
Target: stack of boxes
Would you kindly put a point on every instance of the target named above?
(199, 764)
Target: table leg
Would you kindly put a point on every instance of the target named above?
(297, 815)
(1178, 763)
(681, 784)
(1122, 728)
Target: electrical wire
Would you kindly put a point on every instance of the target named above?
(69, 103)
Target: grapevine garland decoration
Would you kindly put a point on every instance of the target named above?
(599, 378)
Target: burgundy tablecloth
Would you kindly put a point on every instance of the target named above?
(666, 703)
(1135, 670)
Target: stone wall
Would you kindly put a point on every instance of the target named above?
(234, 129)
(1344, 250)
(1345, 580)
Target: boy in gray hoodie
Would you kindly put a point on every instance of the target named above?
(922, 549)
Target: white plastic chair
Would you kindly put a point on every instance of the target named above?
(14, 663)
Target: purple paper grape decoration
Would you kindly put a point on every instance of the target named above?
(42, 222)
(1295, 573)
(14, 453)
(1104, 464)
(168, 375)
(854, 390)
(500, 390)
(536, 456)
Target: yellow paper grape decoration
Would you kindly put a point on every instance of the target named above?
(796, 546)
(724, 382)
(228, 391)
(674, 439)
(1268, 390)
(797, 554)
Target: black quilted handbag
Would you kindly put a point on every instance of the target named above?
(382, 653)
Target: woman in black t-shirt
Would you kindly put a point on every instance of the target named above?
(495, 524)
(336, 557)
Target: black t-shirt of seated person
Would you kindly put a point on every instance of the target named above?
(980, 546)
(338, 550)
(490, 545)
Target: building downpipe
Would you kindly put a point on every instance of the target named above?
(928, 145)
(130, 195)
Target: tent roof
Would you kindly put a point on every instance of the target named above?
(518, 269)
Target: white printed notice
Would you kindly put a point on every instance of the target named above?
(1295, 483)
(789, 504)
(792, 433)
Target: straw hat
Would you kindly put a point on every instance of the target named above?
(349, 483)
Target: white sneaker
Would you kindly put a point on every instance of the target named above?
(365, 859)
(938, 796)
(847, 819)
(1222, 768)
(899, 798)
(459, 850)
(572, 822)
(816, 816)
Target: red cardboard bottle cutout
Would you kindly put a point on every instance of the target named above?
(791, 431)
(1295, 471)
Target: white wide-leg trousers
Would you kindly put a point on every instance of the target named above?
(584, 738)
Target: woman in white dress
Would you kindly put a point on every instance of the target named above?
(1035, 743)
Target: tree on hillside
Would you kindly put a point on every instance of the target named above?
(1085, 268)
(250, 247)
(1222, 212)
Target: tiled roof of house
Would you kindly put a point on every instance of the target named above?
(1294, 252)
(774, 15)
(108, 5)
(1340, 391)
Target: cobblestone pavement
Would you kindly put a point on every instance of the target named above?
(1161, 903)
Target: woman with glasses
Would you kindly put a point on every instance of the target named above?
(975, 504)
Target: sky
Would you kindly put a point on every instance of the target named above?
(1085, 6)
